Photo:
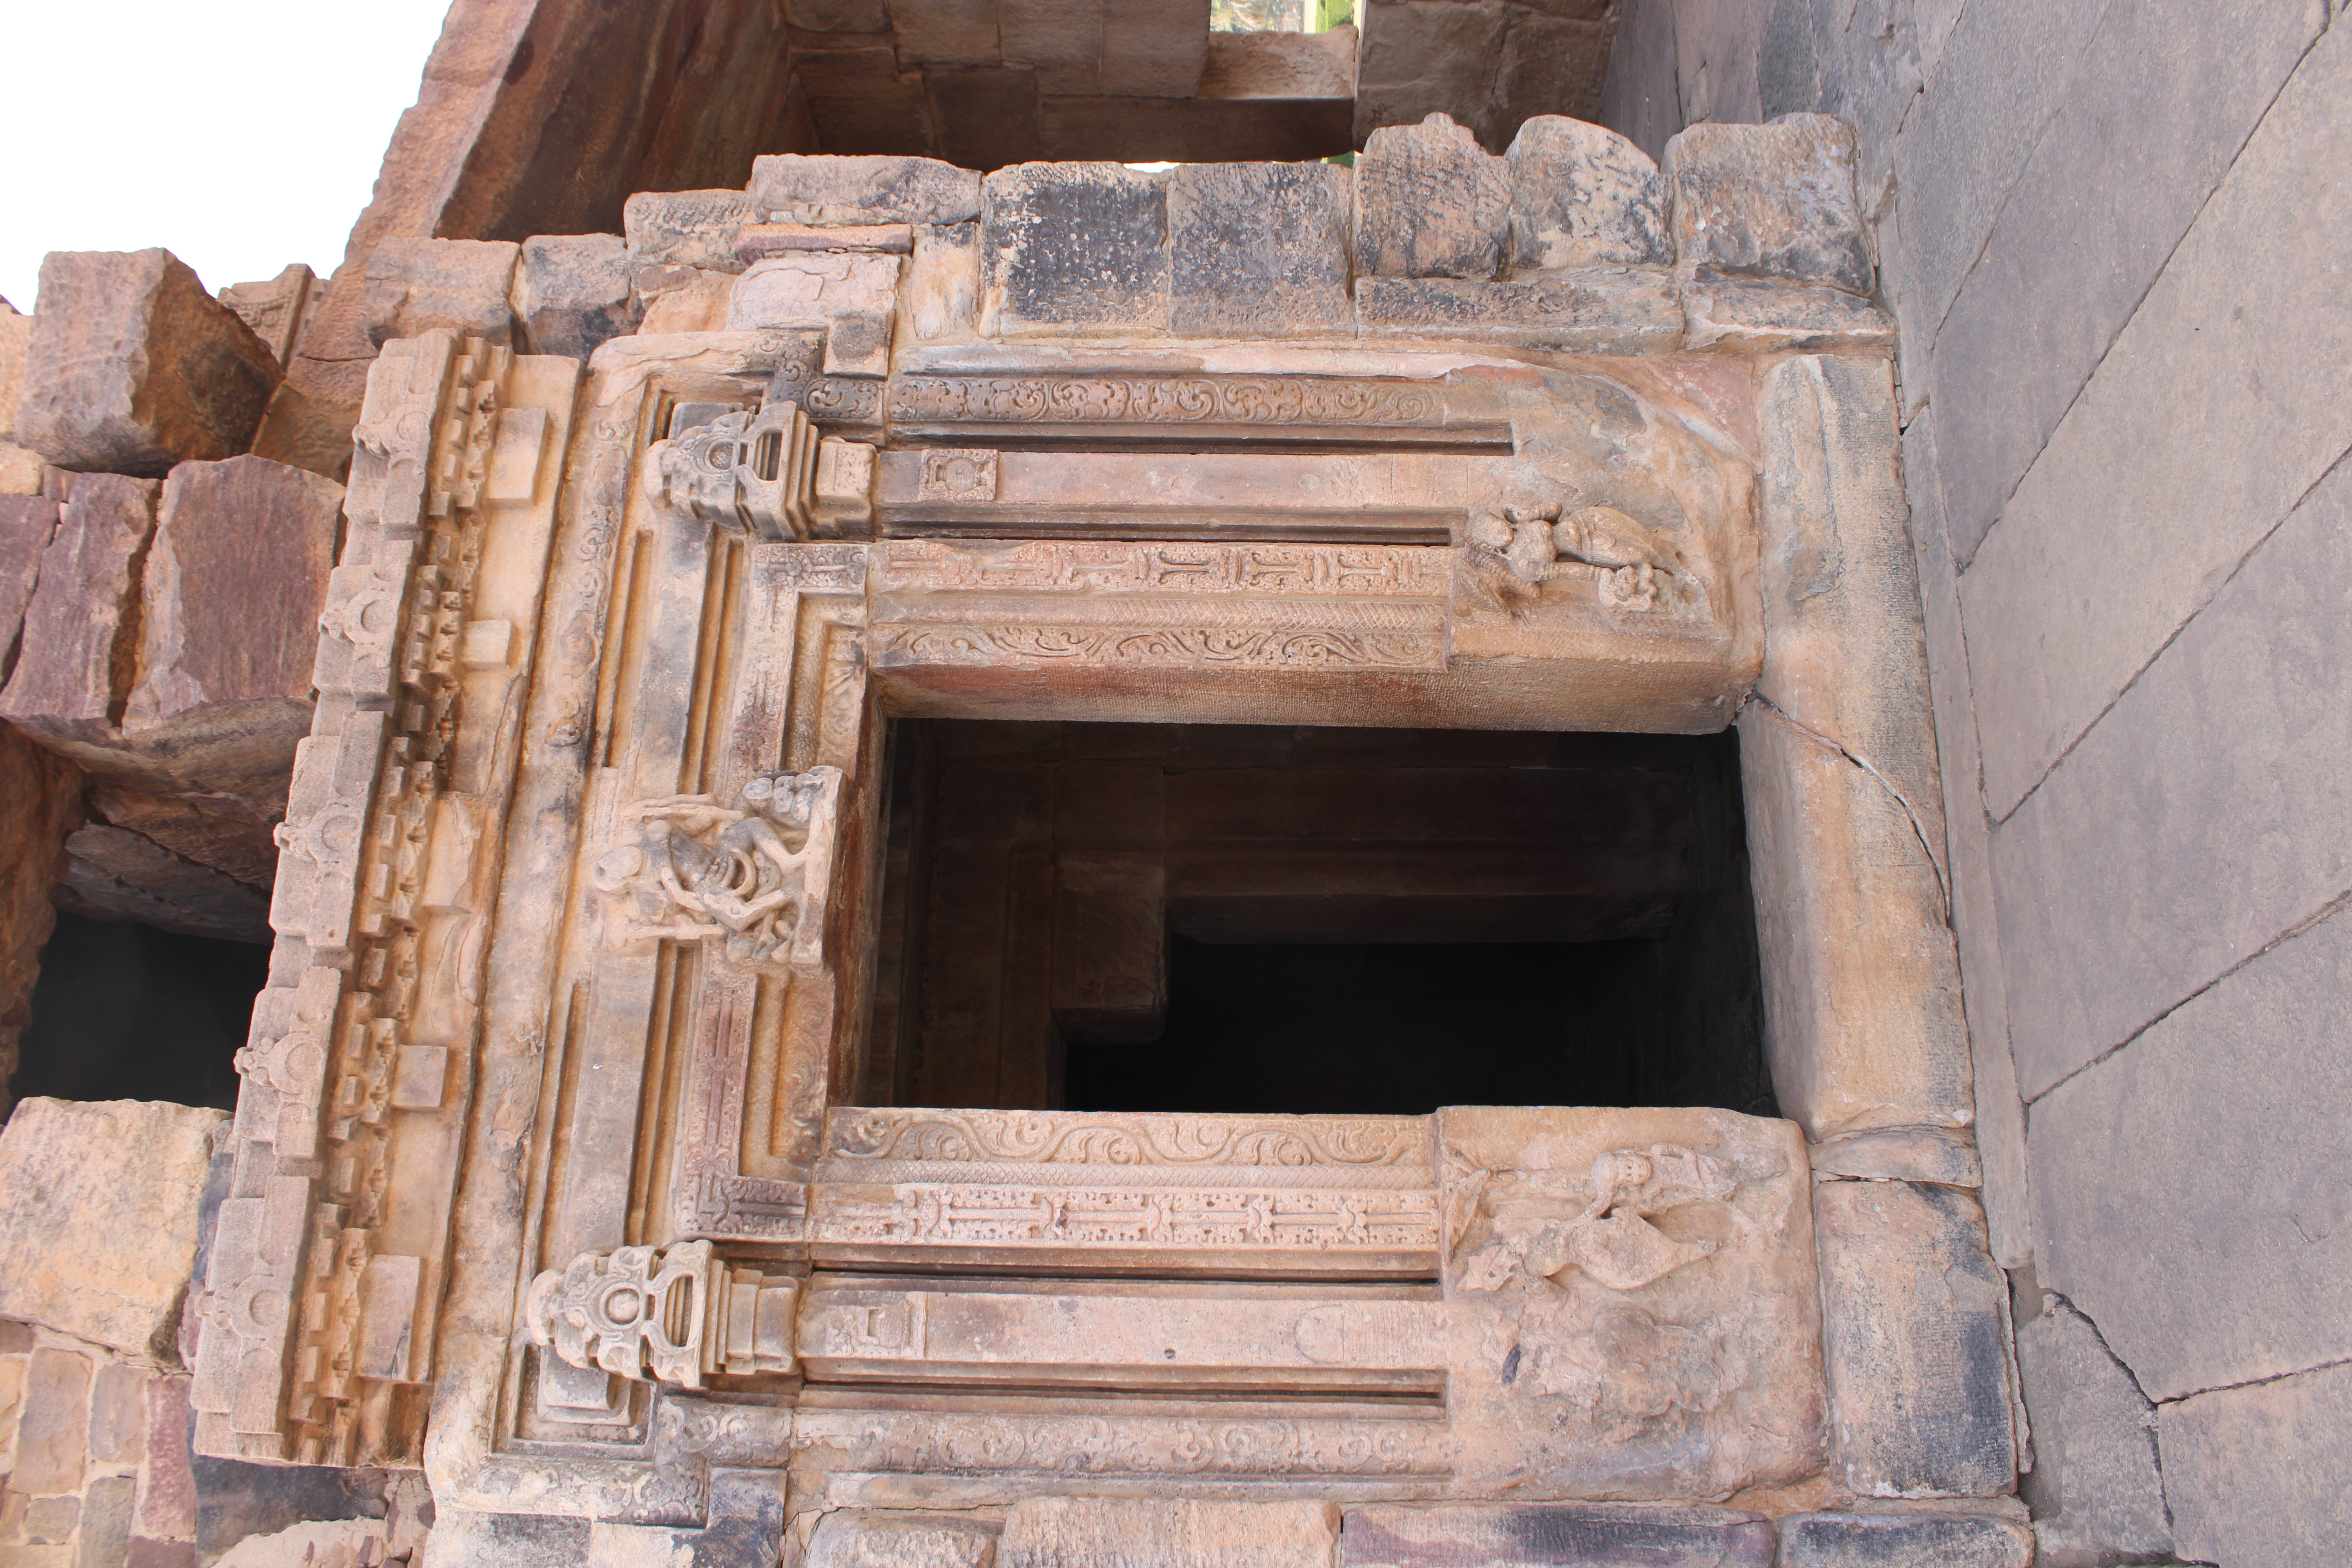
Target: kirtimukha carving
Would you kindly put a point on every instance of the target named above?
(752, 878)
(765, 476)
(676, 1315)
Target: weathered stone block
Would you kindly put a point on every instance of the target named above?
(1154, 48)
(132, 367)
(947, 33)
(415, 285)
(2095, 1489)
(1582, 196)
(20, 467)
(130, 1171)
(1257, 249)
(572, 294)
(1060, 42)
(1429, 203)
(1771, 201)
(895, 1539)
(167, 1502)
(2251, 1076)
(1555, 1535)
(1840, 774)
(1944, 1155)
(462, 1538)
(793, 188)
(113, 874)
(1594, 1358)
(1915, 1341)
(117, 1413)
(277, 308)
(80, 625)
(942, 296)
(1600, 310)
(40, 801)
(308, 433)
(684, 299)
(104, 1538)
(1760, 317)
(2260, 1474)
(687, 228)
(1073, 249)
(814, 290)
(27, 524)
(205, 830)
(53, 1429)
(1109, 1532)
(229, 607)
(1908, 1539)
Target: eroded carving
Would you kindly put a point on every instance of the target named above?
(753, 877)
(1612, 1238)
(1066, 1137)
(752, 473)
(1631, 567)
(1173, 399)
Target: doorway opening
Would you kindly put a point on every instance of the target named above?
(1267, 920)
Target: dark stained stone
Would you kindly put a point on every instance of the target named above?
(1257, 249)
(1907, 1540)
(1074, 248)
(1553, 1535)
(1429, 203)
(1770, 201)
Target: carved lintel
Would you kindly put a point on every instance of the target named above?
(752, 878)
(678, 1315)
(1632, 568)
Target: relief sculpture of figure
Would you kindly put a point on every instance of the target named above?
(752, 877)
(1611, 1239)
(1634, 569)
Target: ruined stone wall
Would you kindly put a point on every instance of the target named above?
(2110, 236)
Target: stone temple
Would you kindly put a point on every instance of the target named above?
(1059, 783)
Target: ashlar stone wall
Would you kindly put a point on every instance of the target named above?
(2111, 237)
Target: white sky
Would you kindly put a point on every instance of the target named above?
(240, 136)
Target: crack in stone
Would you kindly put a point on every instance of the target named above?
(1918, 831)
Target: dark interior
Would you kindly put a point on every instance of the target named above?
(123, 1011)
(1274, 919)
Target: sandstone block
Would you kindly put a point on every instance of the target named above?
(2094, 1488)
(229, 609)
(687, 228)
(941, 296)
(1430, 203)
(1600, 310)
(1914, 1338)
(814, 290)
(796, 188)
(80, 625)
(1257, 249)
(53, 1427)
(683, 299)
(1582, 196)
(2248, 1075)
(2260, 1474)
(50, 1521)
(104, 1538)
(1073, 249)
(20, 470)
(203, 829)
(15, 342)
(571, 292)
(1112, 1532)
(1060, 42)
(313, 434)
(130, 1171)
(895, 1539)
(117, 1413)
(167, 1503)
(947, 33)
(415, 285)
(1944, 1155)
(1154, 48)
(27, 524)
(1771, 201)
(40, 801)
(131, 366)
(113, 874)
(1759, 316)
(1290, 66)
(838, 16)
(1555, 1535)
(1908, 1539)
(277, 308)
(147, 1553)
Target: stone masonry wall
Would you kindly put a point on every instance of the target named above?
(2110, 236)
